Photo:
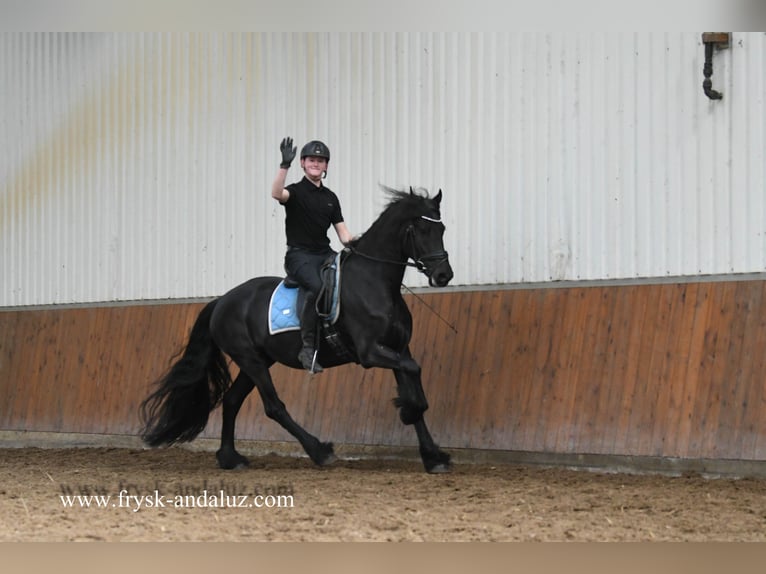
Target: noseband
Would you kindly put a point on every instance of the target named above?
(436, 258)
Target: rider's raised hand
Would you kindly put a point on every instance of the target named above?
(288, 152)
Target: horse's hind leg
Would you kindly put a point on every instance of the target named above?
(412, 404)
(319, 452)
(227, 455)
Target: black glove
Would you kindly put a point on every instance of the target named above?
(288, 152)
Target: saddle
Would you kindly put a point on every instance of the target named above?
(286, 300)
(284, 306)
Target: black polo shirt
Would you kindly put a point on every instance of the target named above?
(309, 212)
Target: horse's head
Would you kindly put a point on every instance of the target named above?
(424, 241)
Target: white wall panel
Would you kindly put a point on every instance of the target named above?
(138, 166)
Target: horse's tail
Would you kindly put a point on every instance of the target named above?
(178, 409)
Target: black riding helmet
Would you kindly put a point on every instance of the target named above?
(315, 148)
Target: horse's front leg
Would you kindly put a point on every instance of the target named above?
(412, 403)
(378, 355)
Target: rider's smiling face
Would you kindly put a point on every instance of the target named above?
(314, 167)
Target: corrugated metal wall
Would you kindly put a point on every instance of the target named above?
(138, 166)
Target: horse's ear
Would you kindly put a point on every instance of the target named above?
(412, 192)
(438, 196)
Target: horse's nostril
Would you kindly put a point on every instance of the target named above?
(441, 279)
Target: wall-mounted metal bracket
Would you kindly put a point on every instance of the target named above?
(719, 41)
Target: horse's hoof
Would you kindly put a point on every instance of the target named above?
(324, 455)
(329, 459)
(440, 469)
(231, 461)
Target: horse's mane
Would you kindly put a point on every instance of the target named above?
(401, 203)
(410, 199)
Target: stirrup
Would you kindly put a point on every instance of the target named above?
(308, 359)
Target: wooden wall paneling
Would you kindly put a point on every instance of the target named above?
(752, 379)
(708, 317)
(486, 385)
(589, 417)
(131, 354)
(30, 348)
(565, 378)
(580, 375)
(700, 307)
(734, 406)
(114, 339)
(577, 375)
(668, 370)
(10, 331)
(756, 381)
(551, 375)
(669, 336)
(525, 316)
(571, 379)
(499, 376)
(640, 398)
(752, 376)
(681, 342)
(655, 379)
(477, 365)
(631, 332)
(31, 356)
(464, 363)
(624, 334)
(514, 370)
(43, 375)
(459, 376)
(22, 355)
(356, 397)
(535, 415)
(610, 393)
(351, 395)
(66, 379)
(507, 376)
(26, 354)
(575, 378)
(363, 396)
(717, 380)
(107, 398)
(328, 397)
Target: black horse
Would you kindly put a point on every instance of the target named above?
(374, 327)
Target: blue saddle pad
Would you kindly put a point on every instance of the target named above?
(283, 310)
(283, 306)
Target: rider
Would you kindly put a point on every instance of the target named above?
(310, 209)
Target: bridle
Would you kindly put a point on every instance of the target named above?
(436, 258)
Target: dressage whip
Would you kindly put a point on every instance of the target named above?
(434, 311)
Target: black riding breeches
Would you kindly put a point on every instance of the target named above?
(304, 267)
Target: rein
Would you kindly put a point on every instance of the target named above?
(419, 264)
(380, 260)
(439, 256)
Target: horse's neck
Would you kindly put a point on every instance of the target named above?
(388, 262)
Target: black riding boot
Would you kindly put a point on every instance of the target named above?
(309, 319)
